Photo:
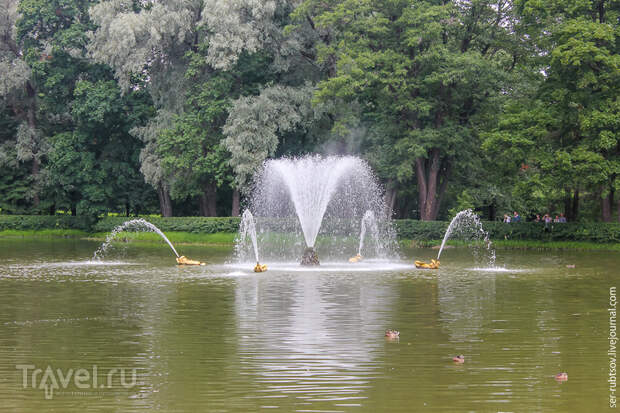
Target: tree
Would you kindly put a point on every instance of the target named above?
(15, 180)
(186, 55)
(18, 90)
(63, 103)
(275, 116)
(421, 72)
(145, 44)
(94, 165)
(257, 124)
(563, 132)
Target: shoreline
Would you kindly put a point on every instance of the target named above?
(519, 245)
(227, 239)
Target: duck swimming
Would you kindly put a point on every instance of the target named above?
(392, 333)
(561, 376)
(460, 359)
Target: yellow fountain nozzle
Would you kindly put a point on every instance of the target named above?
(433, 265)
(183, 260)
(357, 258)
(260, 268)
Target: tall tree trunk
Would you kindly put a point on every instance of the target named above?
(235, 204)
(432, 182)
(212, 199)
(207, 200)
(606, 207)
(575, 208)
(203, 205)
(492, 211)
(571, 204)
(165, 203)
(53, 209)
(568, 204)
(73, 210)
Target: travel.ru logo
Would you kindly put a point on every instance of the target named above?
(49, 379)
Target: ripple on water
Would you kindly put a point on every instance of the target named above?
(225, 339)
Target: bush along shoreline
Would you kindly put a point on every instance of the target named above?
(221, 230)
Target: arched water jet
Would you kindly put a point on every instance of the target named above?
(467, 224)
(133, 224)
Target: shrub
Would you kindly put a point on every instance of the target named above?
(405, 228)
(204, 225)
(573, 231)
(38, 222)
(420, 230)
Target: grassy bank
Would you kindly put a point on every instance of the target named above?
(227, 239)
(518, 245)
(43, 233)
(176, 237)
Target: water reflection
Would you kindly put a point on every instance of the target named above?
(464, 299)
(310, 338)
(208, 339)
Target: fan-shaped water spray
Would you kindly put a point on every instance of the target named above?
(315, 205)
(134, 224)
(311, 183)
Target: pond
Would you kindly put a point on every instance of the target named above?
(136, 332)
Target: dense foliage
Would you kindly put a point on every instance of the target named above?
(134, 107)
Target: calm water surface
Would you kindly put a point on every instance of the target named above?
(223, 339)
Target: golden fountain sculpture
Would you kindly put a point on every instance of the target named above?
(183, 260)
(357, 258)
(260, 268)
(434, 264)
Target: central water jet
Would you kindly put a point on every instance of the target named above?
(311, 183)
(315, 205)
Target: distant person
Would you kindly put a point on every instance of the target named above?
(556, 219)
(562, 218)
(547, 219)
(516, 217)
(507, 218)
(537, 219)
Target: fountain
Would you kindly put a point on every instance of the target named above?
(140, 224)
(369, 221)
(467, 225)
(310, 257)
(247, 228)
(303, 206)
(133, 224)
